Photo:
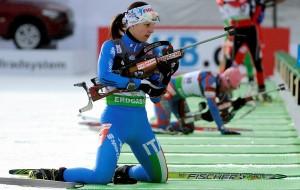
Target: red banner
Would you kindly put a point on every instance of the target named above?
(274, 39)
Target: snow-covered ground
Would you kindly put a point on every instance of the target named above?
(39, 124)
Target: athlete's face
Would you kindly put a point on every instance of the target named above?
(142, 31)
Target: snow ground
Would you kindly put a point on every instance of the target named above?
(39, 124)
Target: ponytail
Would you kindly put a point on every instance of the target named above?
(117, 27)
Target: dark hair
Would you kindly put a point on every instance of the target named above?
(117, 27)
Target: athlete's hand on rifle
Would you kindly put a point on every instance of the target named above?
(168, 68)
(174, 65)
(151, 89)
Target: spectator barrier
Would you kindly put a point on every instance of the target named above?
(286, 66)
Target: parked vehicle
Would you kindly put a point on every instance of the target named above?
(34, 23)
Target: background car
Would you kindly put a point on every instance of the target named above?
(33, 24)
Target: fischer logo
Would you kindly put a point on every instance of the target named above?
(146, 64)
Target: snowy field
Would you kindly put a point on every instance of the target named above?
(39, 124)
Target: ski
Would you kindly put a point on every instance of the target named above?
(20, 171)
(224, 176)
(172, 175)
(199, 128)
(38, 183)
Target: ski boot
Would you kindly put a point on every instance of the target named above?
(265, 97)
(172, 130)
(187, 128)
(179, 128)
(122, 175)
(47, 174)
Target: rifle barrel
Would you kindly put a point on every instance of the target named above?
(205, 41)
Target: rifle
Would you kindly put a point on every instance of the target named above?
(226, 108)
(141, 69)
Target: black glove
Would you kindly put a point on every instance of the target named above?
(168, 68)
(174, 65)
(151, 89)
(238, 103)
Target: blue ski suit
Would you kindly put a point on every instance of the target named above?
(128, 123)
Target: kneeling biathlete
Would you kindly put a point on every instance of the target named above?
(120, 128)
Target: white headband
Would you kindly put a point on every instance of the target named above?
(140, 15)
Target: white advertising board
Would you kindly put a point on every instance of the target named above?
(43, 62)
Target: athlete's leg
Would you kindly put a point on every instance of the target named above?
(237, 44)
(106, 160)
(227, 55)
(243, 57)
(183, 109)
(140, 137)
(249, 67)
(162, 112)
(147, 150)
(254, 47)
